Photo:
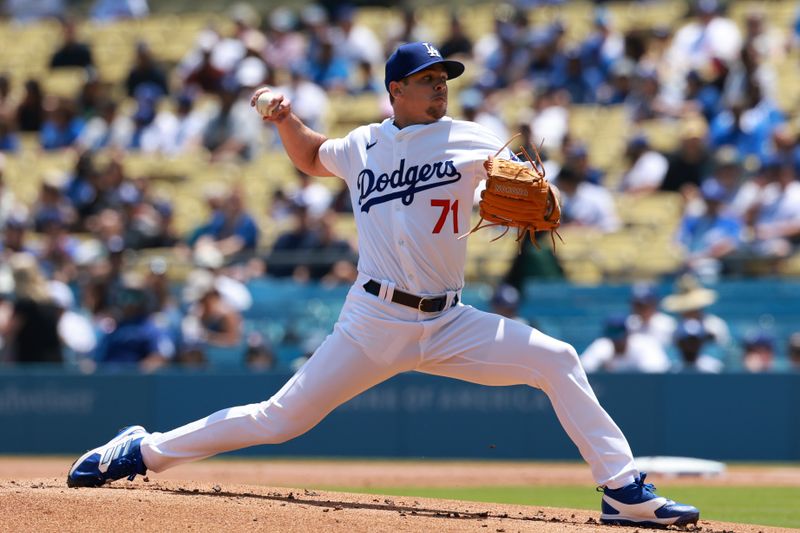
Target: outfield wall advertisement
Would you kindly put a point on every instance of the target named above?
(722, 417)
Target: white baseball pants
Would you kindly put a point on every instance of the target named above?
(374, 340)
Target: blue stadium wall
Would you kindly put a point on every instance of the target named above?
(722, 417)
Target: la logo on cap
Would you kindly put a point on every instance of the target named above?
(432, 51)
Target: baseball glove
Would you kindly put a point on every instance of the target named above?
(517, 195)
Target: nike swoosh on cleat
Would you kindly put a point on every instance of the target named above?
(370, 145)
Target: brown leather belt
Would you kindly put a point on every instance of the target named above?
(426, 304)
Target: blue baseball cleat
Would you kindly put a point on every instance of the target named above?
(637, 504)
(120, 457)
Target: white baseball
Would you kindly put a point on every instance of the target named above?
(266, 103)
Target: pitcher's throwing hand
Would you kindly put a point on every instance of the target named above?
(270, 105)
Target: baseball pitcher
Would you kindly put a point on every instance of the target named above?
(411, 179)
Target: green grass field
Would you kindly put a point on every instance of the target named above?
(772, 506)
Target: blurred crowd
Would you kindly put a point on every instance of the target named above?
(65, 257)
(675, 333)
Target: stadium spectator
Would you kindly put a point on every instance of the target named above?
(750, 68)
(691, 162)
(234, 131)
(585, 204)
(646, 101)
(30, 111)
(408, 29)
(190, 122)
(620, 83)
(456, 43)
(708, 39)
(309, 101)
(100, 280)
(646, 167)
(51, 204)
(745, 203)
(252, 72)
(768, 40)
(6, 105)
(285, 46)
(14, 237)
(550, 122)
(727, 175)
(534, 63)
(747, 122)
(75, 329)
(701, 95)
(707, 240)
(8, 201)
(645, 316)
(601, 49)
(364, 80)
(310, 192)
(80, 187)
(328, 68)
(9, 140)
(259, 355)
(619, 350)
(202, 74)
(570, 75)
(332, 259)
(146, 70)
(210, 321)
(31, 332)
(134, 338)
(208, 257)
(690, 337)
(476, 107)
(315, 26)
(784, 144)
(61, 126)
(793, 351)
(776, 222)
(355, 41)
(147, 220)
(58, 249)
(576, 157)
(690, 301)
(166, 312)
(289, 251)
(102, 195)
(72, 52)
(229, 50)
(505, 301)
(106, 129)
(145, 135)
(231, 228)
(758, 351)
(91, 94)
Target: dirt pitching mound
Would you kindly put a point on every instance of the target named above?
(46, 504)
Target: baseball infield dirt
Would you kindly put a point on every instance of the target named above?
(253, 496)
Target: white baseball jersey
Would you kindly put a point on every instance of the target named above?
(412, 195)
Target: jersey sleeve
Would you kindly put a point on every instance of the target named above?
(333, 154)
(340, 156)
(483, 143)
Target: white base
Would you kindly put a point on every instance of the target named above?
(679, 466)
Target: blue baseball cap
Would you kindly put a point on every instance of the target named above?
(615, 327)
(411, 58)
(644, 293)
(713, 191)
